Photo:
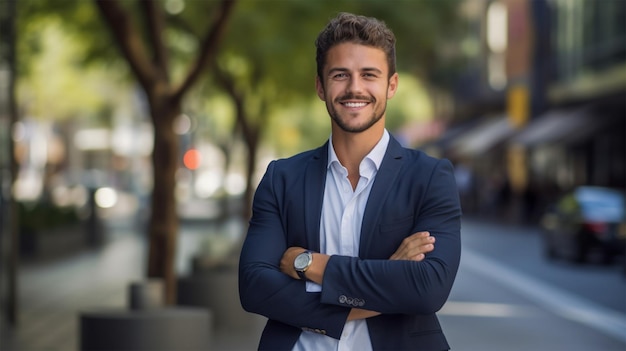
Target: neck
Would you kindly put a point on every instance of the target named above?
(351, 148)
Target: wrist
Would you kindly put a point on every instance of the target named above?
(315, 272)
(302, 263)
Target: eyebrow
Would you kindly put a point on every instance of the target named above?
(366, 69)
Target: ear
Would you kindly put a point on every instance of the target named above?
(319, 88)
(393, 86)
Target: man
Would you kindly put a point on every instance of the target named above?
(340, 252)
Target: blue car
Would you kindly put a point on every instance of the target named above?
(587, 220)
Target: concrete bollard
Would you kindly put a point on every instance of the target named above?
(146, 295)
(216, 289)
(165, 329)
(147, 324)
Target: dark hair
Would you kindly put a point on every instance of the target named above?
(347, 27)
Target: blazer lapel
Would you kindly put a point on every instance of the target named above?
(314, 182)
(385, 179)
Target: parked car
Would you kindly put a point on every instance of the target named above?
(585, 220)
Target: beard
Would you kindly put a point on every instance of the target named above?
(376, 115)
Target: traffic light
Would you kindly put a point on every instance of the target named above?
(192, 159)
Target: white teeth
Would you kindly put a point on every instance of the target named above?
(355, 104)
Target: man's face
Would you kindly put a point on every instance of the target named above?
(356, 86)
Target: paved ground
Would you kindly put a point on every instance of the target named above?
(54, 292)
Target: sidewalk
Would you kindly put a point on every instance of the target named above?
(52, 294)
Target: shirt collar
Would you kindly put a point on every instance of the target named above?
(376, 155)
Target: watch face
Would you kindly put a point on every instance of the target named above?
(301, 261)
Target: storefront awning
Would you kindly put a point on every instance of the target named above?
(562, 126)
(483, 137)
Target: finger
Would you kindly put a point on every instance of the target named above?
(419, 257)
(421, 249)
(419, 243)
(427, 248)
(417, 237)
(411, 245)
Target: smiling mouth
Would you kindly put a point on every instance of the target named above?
(354, 104)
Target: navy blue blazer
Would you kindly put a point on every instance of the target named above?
(411, 192)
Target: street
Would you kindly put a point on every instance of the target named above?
(507, 296)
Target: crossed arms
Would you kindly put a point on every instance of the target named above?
(413, 248)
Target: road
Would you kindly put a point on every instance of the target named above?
(507, 296)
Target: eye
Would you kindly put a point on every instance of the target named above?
(340, 76)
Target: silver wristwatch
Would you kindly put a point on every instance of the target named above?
(302, 263)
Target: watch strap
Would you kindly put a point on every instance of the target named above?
(301, 275)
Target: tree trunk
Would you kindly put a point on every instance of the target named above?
(13, 259)
(163, 225)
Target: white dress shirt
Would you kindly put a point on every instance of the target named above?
(340, 233)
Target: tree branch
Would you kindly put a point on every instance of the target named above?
(228, 83)
(128, 40)
(155, 27)
(207, 48)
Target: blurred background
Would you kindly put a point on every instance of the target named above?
(133, 135)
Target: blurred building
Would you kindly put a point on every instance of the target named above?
(541, 106)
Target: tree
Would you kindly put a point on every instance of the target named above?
(142, 31)
(148, 58)
(252, 72)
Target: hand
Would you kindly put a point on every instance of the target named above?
(286, 262)
(414, 247)
(357, 313)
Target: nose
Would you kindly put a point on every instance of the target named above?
(354, 85)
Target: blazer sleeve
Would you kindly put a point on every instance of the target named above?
(406, 287)
(263, 288)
